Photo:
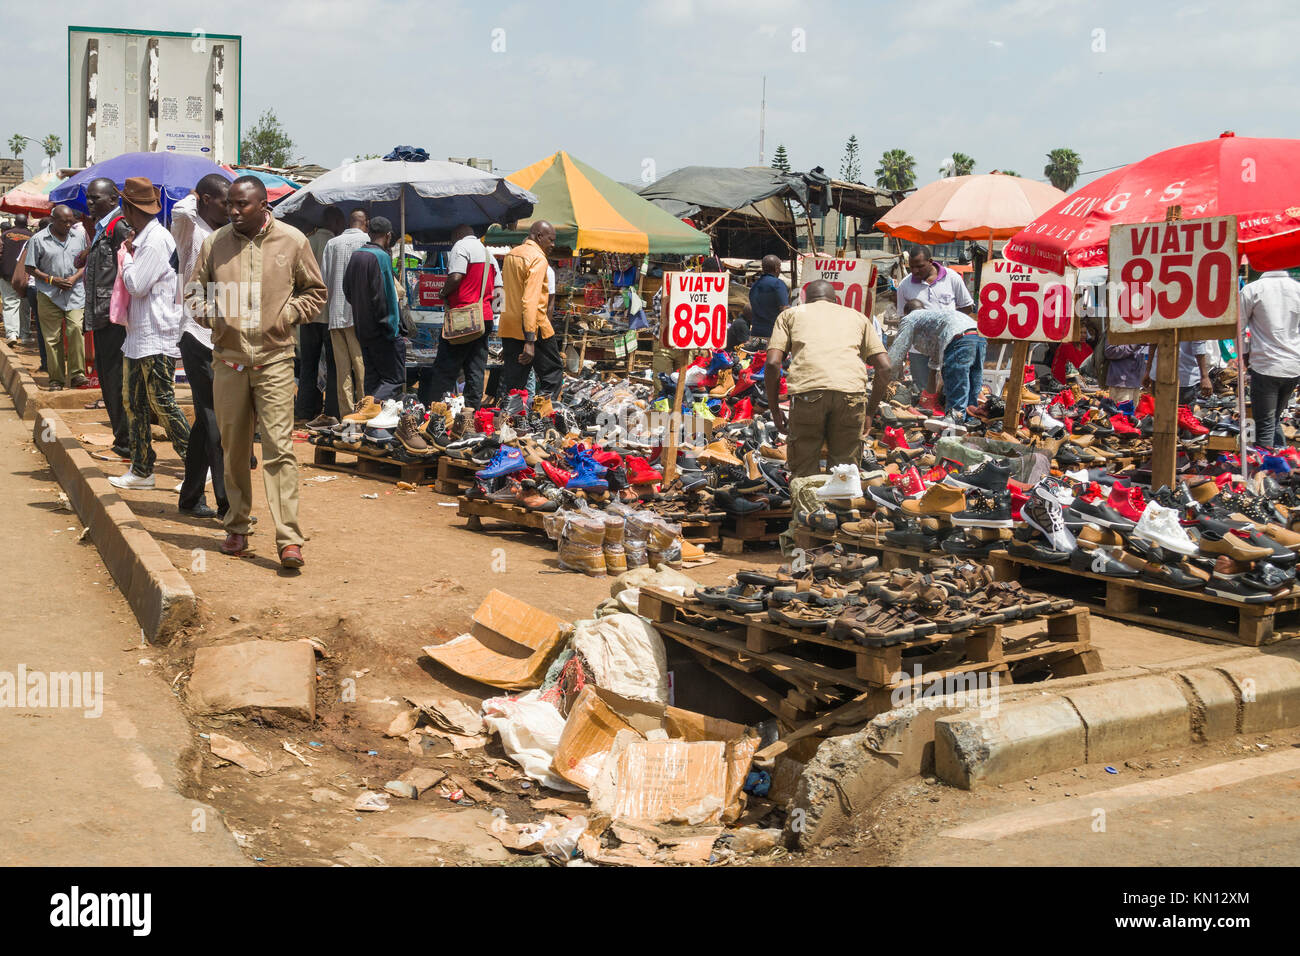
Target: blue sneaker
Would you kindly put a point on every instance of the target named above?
(719, 361)
(577, 453)
(1277, 464)
(506, 461)
(585, 477)
(1126, 408)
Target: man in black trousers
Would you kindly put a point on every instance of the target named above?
(109, 230)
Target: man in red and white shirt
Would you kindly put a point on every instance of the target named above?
(465, 286)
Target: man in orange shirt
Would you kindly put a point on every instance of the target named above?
(527, 337)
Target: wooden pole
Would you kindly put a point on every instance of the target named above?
(675, 421)
(1015, 387)
(1164, 438)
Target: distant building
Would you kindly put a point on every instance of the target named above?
(481, 164)
(11, 173)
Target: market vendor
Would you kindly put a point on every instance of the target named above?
(1193, 370)
(527, 336)
(830, 347)
(949, 342)
(768, 297)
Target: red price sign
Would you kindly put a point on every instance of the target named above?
(1025, 304)
(1173, 275)
(854, 279)
(694, 314)
(429, 289)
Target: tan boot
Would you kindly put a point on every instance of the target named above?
(542, 407)
(366, 409)
(726, 382)
(462, 425)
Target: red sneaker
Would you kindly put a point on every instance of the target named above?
(1291, 455)
(783, 390)
(639, 471)
(743, 411)
(485, 421)
(1187, 422)
(936, 474)
(607, 458)
(1065, 399)
(909, 482)
(1146, 406)
(930, 403)
(1122, 425)
(1127, 500)
(744, 381)
(1018, 500)
(894, 438)
(757, 360)
(1092, 493)
(557, 475)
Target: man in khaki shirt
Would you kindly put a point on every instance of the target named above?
(255, 279)
(525, 329)
(830, 347)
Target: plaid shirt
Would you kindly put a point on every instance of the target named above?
(929, 333)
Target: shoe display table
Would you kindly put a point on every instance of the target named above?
(455, 476)
(1157, 605)
(385, 468)
(891, 557)
(474, 510)
(812, 682)
(757, 526)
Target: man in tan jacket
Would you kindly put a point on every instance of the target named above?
(255, 279)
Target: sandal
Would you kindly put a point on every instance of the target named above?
(742, 598)
(797, 614)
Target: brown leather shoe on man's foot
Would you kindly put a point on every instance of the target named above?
(291, 556)
(235, 544)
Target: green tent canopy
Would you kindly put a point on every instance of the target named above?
(592, 212)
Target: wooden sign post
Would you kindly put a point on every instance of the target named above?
(1171, 282)
(1022, 305)
(693, 315)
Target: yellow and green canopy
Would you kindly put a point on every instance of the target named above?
(592, 212)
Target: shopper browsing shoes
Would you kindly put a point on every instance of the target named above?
(152, 328)
(830, 347)
(527, 337)
(950, 343)
(111, 230)
(256, 278)
(369, 288)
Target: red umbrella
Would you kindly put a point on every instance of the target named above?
(1257, 180)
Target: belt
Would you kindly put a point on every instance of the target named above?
(240, 368)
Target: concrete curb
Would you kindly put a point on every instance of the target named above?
(160, 597)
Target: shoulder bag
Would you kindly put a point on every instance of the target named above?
(465, 323)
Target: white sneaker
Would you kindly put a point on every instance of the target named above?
(1051, 427)
(946, 425)
(845, 483)
(455, 404)
(388, 417)
(1160, 525)
(131, 480)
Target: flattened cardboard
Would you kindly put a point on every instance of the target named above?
(510, 644)
(598, 716)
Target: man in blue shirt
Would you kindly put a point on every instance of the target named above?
(768, 298)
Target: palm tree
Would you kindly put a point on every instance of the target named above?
(1007, 172)
(17, 143)
(959, 164)
(52, 146)
(1062, 168)
(897, 170)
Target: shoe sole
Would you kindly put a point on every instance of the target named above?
(1263, 597)
(982, 522)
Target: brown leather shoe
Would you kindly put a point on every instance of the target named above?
(235, 544)
(291, 556)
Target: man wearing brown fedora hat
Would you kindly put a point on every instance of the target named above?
(255, 279)
(153, 327)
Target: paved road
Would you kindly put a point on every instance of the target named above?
(83, 790)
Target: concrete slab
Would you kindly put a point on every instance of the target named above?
(1130, 717)
(1269, 687)
(1214, 703)
(1021, 739)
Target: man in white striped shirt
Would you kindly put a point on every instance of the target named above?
(152, 327)
(195, 218)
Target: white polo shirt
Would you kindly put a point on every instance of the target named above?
(946, 292)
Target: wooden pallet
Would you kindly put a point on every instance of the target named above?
(890, 556)
(821, 671)
(761, 526)
(455, 476)
(375, 466)
(1157, 605)
(476, 509)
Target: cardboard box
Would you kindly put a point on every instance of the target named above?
(665, 778)
(510, 644)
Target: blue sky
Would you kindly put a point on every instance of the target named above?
(633, 87)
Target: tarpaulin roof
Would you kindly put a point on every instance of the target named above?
(593, 212)
(686, 191)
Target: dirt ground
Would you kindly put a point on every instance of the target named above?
(385, 577)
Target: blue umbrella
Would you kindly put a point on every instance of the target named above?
(173, 173)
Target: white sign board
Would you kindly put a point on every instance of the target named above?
(1173, 275)
(1024, 304)
(854, 279)
(694, 310)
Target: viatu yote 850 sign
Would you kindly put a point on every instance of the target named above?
(1025, 304)
(694, 313)
(854, 279)
(1173, 275)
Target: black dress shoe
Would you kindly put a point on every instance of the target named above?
(200, 511)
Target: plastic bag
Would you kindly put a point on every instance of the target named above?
(120, 302)
(530, 731)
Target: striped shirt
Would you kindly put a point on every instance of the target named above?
(927, 332)
(333, 263)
